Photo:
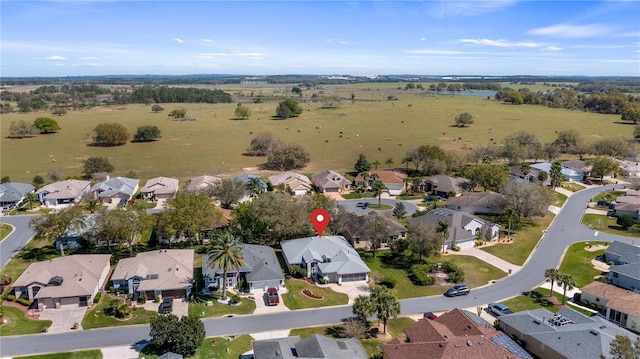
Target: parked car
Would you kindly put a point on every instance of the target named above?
(499, 309)
(272, 296)
(431, 198)
(167, 306)
(587, 182)
(457, 290)
(430, 315)
(608, 204)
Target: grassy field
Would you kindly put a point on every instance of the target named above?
(608, 225)
(5, 229)
(524, 241)
(215, 142)
(81, 354)
(20, 324)
(577, 263)
(477, 273)
(294, 299)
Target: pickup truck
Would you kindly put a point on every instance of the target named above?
(272, 296)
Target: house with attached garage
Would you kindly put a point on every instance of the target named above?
(330, 182)
(444, 186)
(259, 271)
(115, 190)
(476, 202)
(394, 181)
(464, 228)
(294, 183)
(355, 229)
(570, 174)
(63, 192)
(12, 193)
(328, 257)
(625, 272)
(618, 305)
(165, 273)
(201, 183)
(64, 282)
(160, 188)
(313, 346)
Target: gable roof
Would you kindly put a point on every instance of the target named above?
(201, 182)
(314, 346)
(173, 268)
(385, 176)
(260, 263)
(14, 191)
(474, 199)
(329, 179)
(628, 253)
(117, 185)
(291, 179)
(447, 184)
(70, 188)
(80, 275)
(344, 259)
(245, 177)
(576, 165)
(620, 299)
(160, 185)
(457, 220)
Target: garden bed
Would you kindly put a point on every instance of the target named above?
(310, 294)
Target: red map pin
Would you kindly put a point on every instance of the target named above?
(320, 219)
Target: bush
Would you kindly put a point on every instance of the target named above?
(298, 271)
(24, 302)
(389, 283)
(456, 277)
(323, 280)
(117, 308)
(156, 299)
(96, 299)
(10, 297)
(576, 297)
(456, 248)
(142, 299)
(234, 298)
(421, 276)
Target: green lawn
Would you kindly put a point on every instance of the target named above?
(81, 354)
(223, 348)
(572, 186)
(608, 196)
(202, 310)
(608, 225)
(524, 241)
(366, 124)
(577, 263)
(295, 299)
(560, 199)
(352, 195)
(381, 207)
(477, 273)
(395, 327)
(95, 318)
(5, 229)
(538, 300)
(20, 324)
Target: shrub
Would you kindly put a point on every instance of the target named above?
(456, 248)
(323, 280)
(156, 299)
(576, 297)
(10, 297)
(24, 302)
(421, 276)
(456, 277)
(96, 299)
(389, 283)
(234, 298)
(117, 308)
(298, 271)
(478, 243)
(142, 299)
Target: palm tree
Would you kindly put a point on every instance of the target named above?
(254, 185)
(375, 164)
(509, 212)
(567, 282)
(378, 188)
(552, 276)
(91, 205)
(405, 161)
(226, 254)
(32, 198)
(363, 307)
(389, 162)
(526, 169)
(387, 306)
(443, 227)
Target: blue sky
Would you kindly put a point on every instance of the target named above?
(68, 38)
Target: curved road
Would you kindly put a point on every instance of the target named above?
(19, 237)
(563, 231)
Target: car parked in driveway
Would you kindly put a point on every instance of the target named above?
(430, 315)
(499, 309)
(167, 306)
(457, 290)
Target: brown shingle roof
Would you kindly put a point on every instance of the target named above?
(620, 299)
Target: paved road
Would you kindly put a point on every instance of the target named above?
(565, 229)
(360, 206)
(12, 244)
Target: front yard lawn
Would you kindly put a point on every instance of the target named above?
(608, 225)
(295, 299)
(5, 229)
(201, 309)
(210, 348)
(572, 186)
(81, 354)
(20, 324)
(95, 318)
(577, 263)
(524, 241)
(560, 199)
(352, 195)
(608, 196)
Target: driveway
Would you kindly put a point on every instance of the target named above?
(63, 319)
(361, 206)
(351, 289)
(180, 307)
(262, 306)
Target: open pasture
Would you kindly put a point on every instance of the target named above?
(334, 136)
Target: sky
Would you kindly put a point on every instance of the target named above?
(492, 38)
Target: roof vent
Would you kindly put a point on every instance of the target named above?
(469, 343)
(593, 331)
(537, 321)
(603, 327)
(55, 281)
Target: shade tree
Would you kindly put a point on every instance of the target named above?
(287, 157)
(110, 134)
(147, 133)
(288, 108)
(464, 119)
(94, 165)
(46, 124)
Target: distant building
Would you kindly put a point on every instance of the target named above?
(63, 192)
(625, 272)
(12, 193)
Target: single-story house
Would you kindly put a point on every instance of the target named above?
(160, 187)
(569, 173)
(294, 183)
(475, 202)
(64, 282)
(566, 334)
(618, 305)
(464, 228)
(443, 186)
(247, 178)
(80, 228)
(516, 175)
(63, 192)
(165, 273)
(627, 207)
(118, 189)
(201, 183)
(625, 272)
(328, 257)
(330, 182)
(355, 229)
(453, 335)
(579, 166)
(12, 193)
(394, 181)
(260, 270)
(313, 346)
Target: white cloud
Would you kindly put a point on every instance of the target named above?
(207, 40)
(178, 40)
(571, 31)
(552, 48)
(212, 55)
(54, 58)
(501, 43)
(431, 52)
(88, 58)
(338, 41)
(423, 39)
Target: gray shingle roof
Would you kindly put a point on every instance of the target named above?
(116, 185)
(344, 259)
(14, 191)
(627, 252)
(260, 263)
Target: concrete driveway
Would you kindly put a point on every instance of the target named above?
(180, 307)
(261, 303)
(360, 206)
(63, 319)
(351, 289)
